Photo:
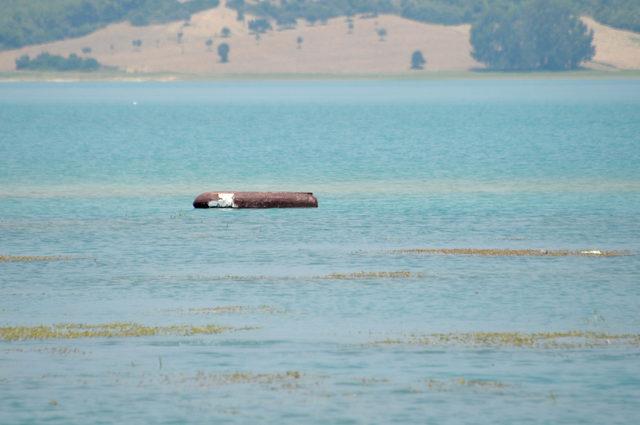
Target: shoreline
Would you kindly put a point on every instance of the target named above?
(117, 76)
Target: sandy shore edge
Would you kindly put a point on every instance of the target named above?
(72, 77)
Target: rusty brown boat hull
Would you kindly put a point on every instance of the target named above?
(255, 200)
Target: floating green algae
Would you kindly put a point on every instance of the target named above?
(567, 339)
(32, 258)
(106, 330)
(491, 252)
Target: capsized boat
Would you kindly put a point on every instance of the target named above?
(255, 200)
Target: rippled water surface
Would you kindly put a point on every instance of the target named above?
(331, 314)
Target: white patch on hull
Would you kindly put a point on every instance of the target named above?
(594, 252)
(225, 200)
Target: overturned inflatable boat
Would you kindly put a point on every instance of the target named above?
(255, 200)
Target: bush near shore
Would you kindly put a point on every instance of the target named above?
(48, 62)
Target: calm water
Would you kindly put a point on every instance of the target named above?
(106, 173)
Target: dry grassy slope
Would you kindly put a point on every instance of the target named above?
(615, 48)
(326, 48)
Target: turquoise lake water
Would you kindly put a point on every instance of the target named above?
(329, 318)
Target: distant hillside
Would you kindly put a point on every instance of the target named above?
(339, 46)
(26, 22)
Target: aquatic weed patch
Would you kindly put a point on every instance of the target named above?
(232, 278)
(201, 379)
(33, 258)
(63, 351)
(234, 309)
(457, 383)
(359, 275)
(560, 340)
(370, 275)
(491, 252)
(106, 330)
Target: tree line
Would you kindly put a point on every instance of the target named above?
(617, 13)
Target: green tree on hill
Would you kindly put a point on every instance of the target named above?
(137, 43)
(259, 26)
(239, 6)
(286, 22)
(223, 52)
(532, 35)
(318, 12)
(417, 60)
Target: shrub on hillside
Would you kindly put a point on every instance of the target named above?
(223, 52)
(417, 60)
(259, 26)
